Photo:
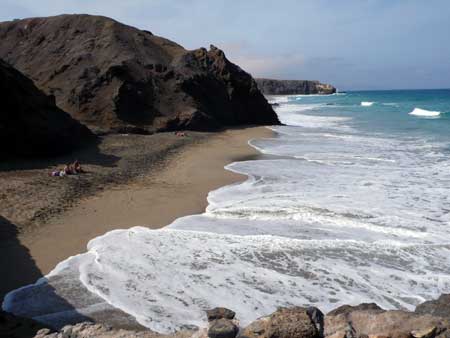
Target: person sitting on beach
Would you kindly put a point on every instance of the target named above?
(68, 170)
(77, 167)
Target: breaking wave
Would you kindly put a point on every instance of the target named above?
(367, 104)
(425, 113)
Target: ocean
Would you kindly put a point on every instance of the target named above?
(349, 203)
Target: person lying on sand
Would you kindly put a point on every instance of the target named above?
(69, 169)
(58, 173)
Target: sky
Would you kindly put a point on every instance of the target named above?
(352, 44)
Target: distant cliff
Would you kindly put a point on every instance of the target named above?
(113, 77)
(290, 87)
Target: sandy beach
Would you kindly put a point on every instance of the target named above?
(173, 182)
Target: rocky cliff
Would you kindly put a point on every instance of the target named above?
(115, 77)
(30, 123)
(291, 87)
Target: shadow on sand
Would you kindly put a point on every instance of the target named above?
(15, 259)
(20, 270)
(91, 154)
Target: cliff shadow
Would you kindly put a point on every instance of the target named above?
(89, 154)
(17, 266)
(18, 269)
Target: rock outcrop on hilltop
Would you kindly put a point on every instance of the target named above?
(114, 77)
(292, 87)
(30, 122)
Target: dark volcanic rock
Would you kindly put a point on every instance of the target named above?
(290, 87)
(222, 328)
(317, 318)
(112, 76)
(30, 123)
(219, 313)
(439, 307)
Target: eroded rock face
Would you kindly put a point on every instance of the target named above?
(114, 77)
(293, 322)
(30, 123)
(292, 87)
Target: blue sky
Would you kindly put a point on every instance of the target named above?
(353, 44)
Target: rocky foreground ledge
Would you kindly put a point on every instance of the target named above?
(429, 320)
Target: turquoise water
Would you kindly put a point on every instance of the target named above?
(389, 113)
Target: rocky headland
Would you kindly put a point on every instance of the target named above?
(117, 78)
(292, 87)
(30, 122)
(429, 320)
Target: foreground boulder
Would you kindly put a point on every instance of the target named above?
(292, 87)
(114, 77)
(222, 328)
(369, 320)
(366, 320)
(296, 322)
(222, 323)
(30, 122)
(91, 330)
(439, 307)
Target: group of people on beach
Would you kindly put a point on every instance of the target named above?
(69, 169)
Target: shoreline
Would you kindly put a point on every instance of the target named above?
(155, 199)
